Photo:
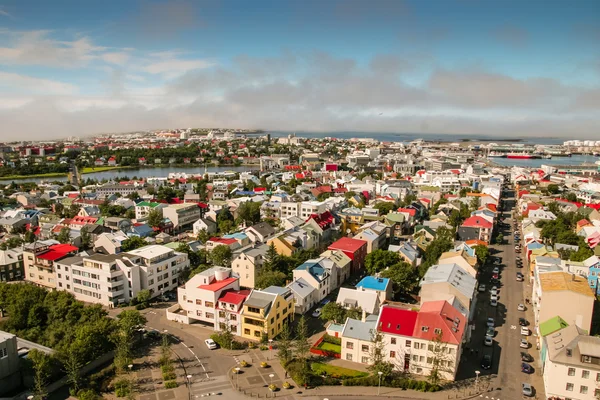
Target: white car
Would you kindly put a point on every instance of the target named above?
(488, 341)
(521, 307)
(524, 331)
(493, 302)
(317, 313)
(490, 322)
(482, 288)
(494, 290)
(524, 344)
(494, 297)
(210, 344)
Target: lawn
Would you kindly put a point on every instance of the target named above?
(91, 170)
(335, 348)
(338, 372)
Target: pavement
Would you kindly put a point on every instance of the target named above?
(505, 375)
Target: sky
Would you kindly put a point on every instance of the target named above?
(505, 68)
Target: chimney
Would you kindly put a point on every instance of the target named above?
(364, 316)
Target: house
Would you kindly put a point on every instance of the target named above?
(407, 251)
(199, 298)
(381, 286)
(110, 243)
(219, 241)
(367, 301)
(266, 311)
(10, 363)
(571, 364)
(117, 223)
(260, 233)
(305, 295)
(563, 294)
(89, 211)
(466, 262)
(375, 240)
(39, 259)
(11, 265)
(247, 264)
(288, 245)
(205, 224)
(338, 264)
(143, 208)
(444, 281)
(357, 339)
(182, 215)
(355, 249)
(475, 227)
(315, 275)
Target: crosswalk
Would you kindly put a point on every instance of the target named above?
(207, 388)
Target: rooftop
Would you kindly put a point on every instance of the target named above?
(373, 283)
(347, 244)
(218, 285)
(397, 321)
(151, 251)
(561, 281)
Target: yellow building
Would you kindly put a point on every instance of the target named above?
(266, 312)
(283, 247)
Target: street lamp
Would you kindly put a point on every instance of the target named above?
(477, 379)
(271, 376)
(379, 387)
(270, 348)
(237, 379)
(189, 385)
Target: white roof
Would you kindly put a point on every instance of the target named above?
(154, 250)
(366, 300)
(454, 274)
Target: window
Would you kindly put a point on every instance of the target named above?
(3, 353)
(257, 333)
(596, 393)
(569, 387)
(421, 358)
(583, 389)
(199, 313)
(246, 331)
(393, 340)
(349, 357)
(350, 345)
(430, 347)
(437, 331)
(365, 348)
(407, 344)
(571, 372)
(198, 302)
(417, 345)
(415, 358)
(209, 304)
(585, 374)
(392, 354)
(598, 377)
(364, 360)
(272, 320)
(429, 360)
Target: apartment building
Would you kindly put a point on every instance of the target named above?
(266, 311)
(39, 259)
(113, 279)
(248, 263)
(183, 216)
(142, 209)
(10, 378)
(357, 339)
(109, 190)
(11, 265)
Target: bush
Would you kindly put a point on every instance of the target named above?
(170, 384)
(100, 381)
(122, 388)
(166, 368)
(299, 372)
(401, 383)
(263, 347)
(331, 339)
(87, 394)
(168, 376)
(226, 343)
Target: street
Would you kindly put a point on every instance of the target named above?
(506, 358)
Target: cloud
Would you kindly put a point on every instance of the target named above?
(5, 13)
(117, 57)
(314, 91)
(21, 84)
(512, 35)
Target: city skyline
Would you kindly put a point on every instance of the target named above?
(465, 67)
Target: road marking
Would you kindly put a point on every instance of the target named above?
(197, 359)
(513, 327)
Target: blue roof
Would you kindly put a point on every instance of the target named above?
(238, 235)
(374, 283)
(534, 245)
(314, 268)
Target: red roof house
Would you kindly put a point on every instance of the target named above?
(354, 248)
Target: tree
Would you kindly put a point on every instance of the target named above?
(130, 213)
(354, 313)
(221, 255)
(41, 365)
(455, 218)
(271, 258)
(249, 212)
(155, 218)
(284, 345)
(377, 356)
(440, 359)
(64, 236)
(29, 237)
(203, 236)
(133, 196)
(474, 205)
(568, 237)
(267, 278)
(130, 320)
(192, 255)
(404, 277)
(384, 207)
(302, 344)
(132, 243)
(333, 311)
(482, 253)
(499, 238)
(72, 363)
(379, 259)
(463, 192)
(553, 188)
(86, 238)
(166, 193)
(143, 297)
(571, 196)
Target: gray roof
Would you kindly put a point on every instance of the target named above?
(263, 228)
(301, 288)
(454, 275)
(277, 290)
(255, 251)
(260, 299)
(366, 300)
(356, 329)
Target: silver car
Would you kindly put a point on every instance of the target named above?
(527, 390)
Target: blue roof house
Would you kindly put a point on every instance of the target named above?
(381, 286)
(315, 275)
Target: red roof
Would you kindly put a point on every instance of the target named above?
(594, 206)
(397, 321)
(477, 222)
(578, 204)
(73, 195)
(323, 220)
(79, 220)
(57, 251)
(65, 248)
(224, 241)
(410, 211)
(492, 207)
(347, 244)
(583, 222)
(218, 285)
(234, 296)
(440, 315)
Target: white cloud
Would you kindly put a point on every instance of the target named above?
(117, 57)
(22, 84)
(173, 67)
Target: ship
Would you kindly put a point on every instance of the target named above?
(522, 155)
(496, 154)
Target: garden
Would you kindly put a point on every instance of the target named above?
(328, 346)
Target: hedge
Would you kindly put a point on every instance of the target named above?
(331, 339)
(402, 383)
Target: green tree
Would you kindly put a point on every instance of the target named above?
(567, 237)
(64, 236)
(284, 345)
(86, 238)
(302, 343)
(72, 363)
(221, 255)
(249, 212)
(571, 196)
(132, 243)
(384, 207)
(271, 258)
(192, 255)
(203, 236)
(133, 196)
(333, 311)
(143, 297)
(553, 189)
(41, 365)
(155, 218)
(266, 278)
(377, 356)
(130, 213)
(29, 237)
(354, 312)
(403, 276)
(482, 253)
(379, 259)
(455, 219)
(499, 238)
(463, 192)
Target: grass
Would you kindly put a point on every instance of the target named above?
(91, 170)
(337, 372)
(48, 175)
(336, 348)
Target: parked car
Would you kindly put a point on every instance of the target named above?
(317, 313)
(494, 297)
(490, 322)
(490, 331)
(524, 331)
(493, 302)
(496, 270)
(210, 344)
(527, 390)
(481, 288)
(486, 361)
(524, 344)
(488, 341)
(523, 322)
(520, 277)
(495, 276)
(526, 368)
(526, 357)
(494, 290)
(521, 307)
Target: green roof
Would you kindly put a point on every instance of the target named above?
(552, 325)
(147, 204)
(429, 189)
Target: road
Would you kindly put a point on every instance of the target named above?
(506, 367)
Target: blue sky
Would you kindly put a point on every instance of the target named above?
(457, 66)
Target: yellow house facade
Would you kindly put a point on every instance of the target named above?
(266, 312)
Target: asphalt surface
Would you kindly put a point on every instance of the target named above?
(506, 354)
